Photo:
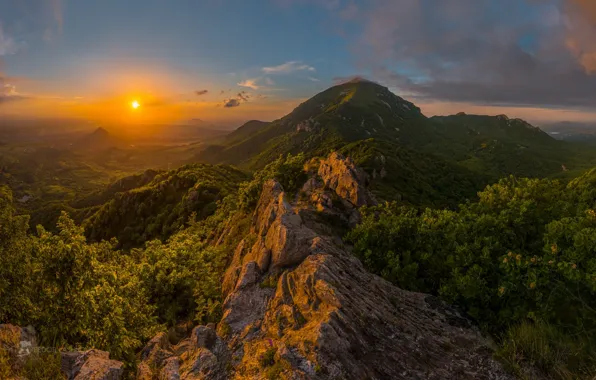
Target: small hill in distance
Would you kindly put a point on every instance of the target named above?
(99, 139)
(245, 130)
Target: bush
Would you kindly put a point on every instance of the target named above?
(45, 366)
(526, 250)
(288, 171)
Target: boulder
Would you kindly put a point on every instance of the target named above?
(91, 365)
(349, 181)
(202, 355)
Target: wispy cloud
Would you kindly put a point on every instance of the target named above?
(313, 79)
(8, 45)
(57, 11)
(8, 91)
(201, 92)
(249, 83)
(288, 67)
(236, 101)
(243, 95)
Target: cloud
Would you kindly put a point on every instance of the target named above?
(288, 67)
(352, 78)
(230, 103)
(243, 95)
(8, 45)
(581, 35)
(201, 92)
(538, 53)
(313, 79)
(8, 91)
(250, 83)
(269, 81)
(236, 101)
(57, 11)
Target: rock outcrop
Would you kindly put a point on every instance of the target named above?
(203, 355)
(298, 305)
(346, 179)
(91, 365)
(20, 343)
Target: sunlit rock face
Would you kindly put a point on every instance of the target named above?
(298, 305)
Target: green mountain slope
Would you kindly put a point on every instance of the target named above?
(164, 205)
(500, 146)
(346, 113)
(435, 161)
(245, 131)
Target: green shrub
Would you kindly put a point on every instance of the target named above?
(43, 366)
(524, 251)
(288, 171)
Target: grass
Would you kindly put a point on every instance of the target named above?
(543, 348)
(44, 366)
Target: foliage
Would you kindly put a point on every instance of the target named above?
(88, 293)
(183, 278)
(43, 366)
(15, 261)
(82, 295)
(524, 251)
(287, 170)
(163, 206)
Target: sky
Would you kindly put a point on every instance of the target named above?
(227, 61)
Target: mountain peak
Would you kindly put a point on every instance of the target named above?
(357, 79)
(100, 131)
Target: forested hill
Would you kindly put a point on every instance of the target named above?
(436, 160)
(164, 205)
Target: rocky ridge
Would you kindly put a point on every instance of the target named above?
(299, 306)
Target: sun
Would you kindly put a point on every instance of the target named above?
(135, 104)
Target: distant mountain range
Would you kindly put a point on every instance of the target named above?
(415, 158)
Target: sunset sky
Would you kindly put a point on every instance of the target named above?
(226, 61)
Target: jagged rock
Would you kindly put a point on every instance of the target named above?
(96, 365)
(203, 336)
(346, 179)
(171, 369)
(202, 355)
(316, 313)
